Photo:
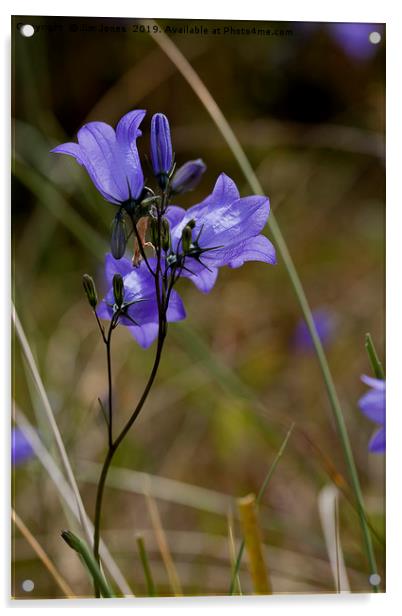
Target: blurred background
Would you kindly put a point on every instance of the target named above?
(308, 108)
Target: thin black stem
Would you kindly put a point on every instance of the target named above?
(110, 384)
(145, 393)
(98, 507)
(113, 448)
(101, 329)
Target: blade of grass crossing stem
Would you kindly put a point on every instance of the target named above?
(79, 546)
(198, 86)
(41, 554)
(151, 589)
(260, 495)
(253, 541)
(374, 359)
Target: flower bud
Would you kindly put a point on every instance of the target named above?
(70, 539)
(187, 176)
(118, 290)
(161, 147)
(118, 240)
(90, 290)
(186, 237)
(191, 223)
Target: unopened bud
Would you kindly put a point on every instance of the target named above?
(186, 237)
(119, 237)
(161, 147)
(90, 290)
(118, 290)
(70, 539)
(188, 176)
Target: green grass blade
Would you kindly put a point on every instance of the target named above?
(90, 563)
(151, 589)
(373, 357)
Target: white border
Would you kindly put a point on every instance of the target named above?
(308, 10)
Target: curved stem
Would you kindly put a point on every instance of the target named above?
(144, 395)
(110, 387)
(113, 445)
(98, 507)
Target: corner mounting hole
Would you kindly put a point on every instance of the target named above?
(375, 38)
(27, 30)
(28, 585)
(374, 579)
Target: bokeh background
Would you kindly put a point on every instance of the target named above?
(308, 108)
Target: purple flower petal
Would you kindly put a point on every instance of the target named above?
(204, 278)
(326, 324)
(226, 227)
(226, 230)
(377, 384)
(116, 266)
(111, 159)
(146, 334)
(188, 176)
(377, 442)
(104, 160)
(71, 149)
(21, 448)
(104, 311)
(354, 38)
(139, 287)
(176, 310)
(224, 193)
(257, 248)
(127, 131)
(175, 215)
(372, 405)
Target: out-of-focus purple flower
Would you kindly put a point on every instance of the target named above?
(161, 145)
(354, 38)
(188, 175)
(21, 449)
(141, 315)
(325, 322)
(225, 230)
(372, 405)
(110, 157)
